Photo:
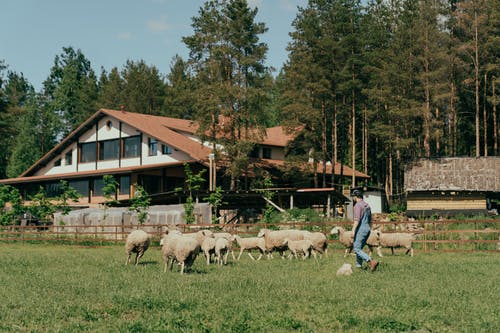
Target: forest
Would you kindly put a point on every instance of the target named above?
(370, 84)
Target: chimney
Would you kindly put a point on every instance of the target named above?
(122, 108)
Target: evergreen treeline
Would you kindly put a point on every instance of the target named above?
(372, 85)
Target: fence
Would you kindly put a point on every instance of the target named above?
(448, 235)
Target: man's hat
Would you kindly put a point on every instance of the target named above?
(357, 193)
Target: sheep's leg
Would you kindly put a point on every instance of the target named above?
(392, 250)
(313, 253)
(127, 261)
(241, 252)
(207, 256)
(379, 251)
(260, 256)
(138, 257)
(251, 256)
(232, 255)
(225, 258)
(182, 267)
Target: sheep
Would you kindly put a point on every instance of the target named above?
(397, 239)
(303, 246)
(222, 250)
(319, 241)
(208, 248)
(274, 239)
(180, 248)
(347, 238)
(200, 235)
(345, 269)
(251, 243)
(228, 236)
(137, 242)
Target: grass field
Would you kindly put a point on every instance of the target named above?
(54, 288)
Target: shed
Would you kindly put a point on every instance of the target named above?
(450, 186)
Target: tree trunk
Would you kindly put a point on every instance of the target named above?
(485, 119)
(476, 70)
(427, 90)
(334, 141)
(323, 141)
(495, 123)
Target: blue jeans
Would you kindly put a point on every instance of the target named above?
(362, 234)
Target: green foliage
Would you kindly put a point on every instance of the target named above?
(42, 206)
(263, 186)
(68, 193)
(140, 203)
(193, 183)
(100, 293)
(215, 199)
(11, 205)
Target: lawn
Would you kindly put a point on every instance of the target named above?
(56, 288)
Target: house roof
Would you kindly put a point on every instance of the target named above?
(347, 171)
(454, 174)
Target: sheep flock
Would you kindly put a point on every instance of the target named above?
(183, 248)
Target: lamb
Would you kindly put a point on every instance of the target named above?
(251, 243)
(345, 269)
(222, 250)
(347, 238)
(303, 246)
(180, 248)
(137, 242)
(274, 239)
(397, 239)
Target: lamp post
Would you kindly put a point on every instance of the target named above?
(211, 167)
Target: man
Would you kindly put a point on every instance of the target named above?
(361, 230)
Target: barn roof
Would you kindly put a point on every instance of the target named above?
(454, 174)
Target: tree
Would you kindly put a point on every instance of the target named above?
(227, 60)
(193, 184)
(143, 88)
(139, 203)
(67, 194)
(11, 205)
(109, 192)
(179, 99)
(71, 89)
(111, 90)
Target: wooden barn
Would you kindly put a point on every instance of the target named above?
(450, 186)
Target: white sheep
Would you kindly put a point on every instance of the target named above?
(319, 241)
(200, 235)
(347, 238)
(222, 250)
(396, 239)
(229, 237)
(303, 247)
(137, 242)
(208, 248)
(180, 248)
(345, 269)
(249, 244)
(274, 239)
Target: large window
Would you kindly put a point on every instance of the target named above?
(132, 146)
(109, 150)
(88, 152)
(166, 150)
(81, 186)
(125, 185)
(98, 185)
(153, 146)
(266, 152)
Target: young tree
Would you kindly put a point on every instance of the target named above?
(109, 192)
(193, 184)
(139, 203)
(67, 194)
(11, 204)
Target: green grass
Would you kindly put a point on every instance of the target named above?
(55, 288)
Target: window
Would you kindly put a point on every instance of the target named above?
(266, 152)
(68, 158)
(109, 149)
(98, 184)
(88, 152)
(153, 146)
(125, 185)
(81, 186)
(254, 153)
(57, 162)
(166, 150)
(132, 146)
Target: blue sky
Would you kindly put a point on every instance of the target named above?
(33, 32)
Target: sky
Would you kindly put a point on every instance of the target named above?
(110, 32)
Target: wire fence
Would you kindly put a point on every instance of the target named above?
(447, 235)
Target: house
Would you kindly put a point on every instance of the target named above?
(137, 148)
(455, 185)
